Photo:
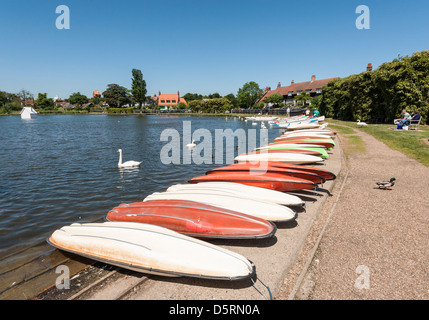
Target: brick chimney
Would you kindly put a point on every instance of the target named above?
(313, 78)
(369, 67)
(293, 82)
(279, 85)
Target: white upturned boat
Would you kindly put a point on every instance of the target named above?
(303, 136)
(293, 145)
(304, 125)
(309, 131)
(268, 211)
(292, 158)
(241, 191)
(151, 249)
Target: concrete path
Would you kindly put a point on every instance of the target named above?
(375, 244)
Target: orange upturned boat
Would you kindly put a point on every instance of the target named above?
(194, 219)
(319, 171)
(245, 167)
(268, 180)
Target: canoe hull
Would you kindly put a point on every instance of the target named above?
(267, 211)
(245, 167)
(268, 180)
(194, 219)
(319, 171)
(291, 158)
(241, 191)
(151, 249)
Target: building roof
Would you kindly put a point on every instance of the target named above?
(169, 97)
(294, 88)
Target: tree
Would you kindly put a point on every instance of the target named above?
(192, 96)
(24, 95)
(232, 99)
(116, 95)
(303, 97)
(43, 101)
(213, 96)
(380, 94)
(275, 99)
(249, 94)
(78, 99)
(138, 88)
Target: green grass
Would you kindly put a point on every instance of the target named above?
(342, 129)
(408, 142)
(356, 144)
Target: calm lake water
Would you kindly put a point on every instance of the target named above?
(60, 169)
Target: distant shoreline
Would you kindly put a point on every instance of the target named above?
(149, 114)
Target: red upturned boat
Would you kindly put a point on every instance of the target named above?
(246, 167)
(319, 171)
(325, 144)
(194, 219)
(269, 180)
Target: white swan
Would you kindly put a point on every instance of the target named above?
(362, 124)
(128, 164)
(191, 145)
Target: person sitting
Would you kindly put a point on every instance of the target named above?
(404, 121)
(316, 113)
(415, 116)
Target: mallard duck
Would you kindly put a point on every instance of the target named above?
(385, 185)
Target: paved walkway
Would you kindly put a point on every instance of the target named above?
(376, 243)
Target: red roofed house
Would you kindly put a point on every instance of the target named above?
(168, 101)
(96, 93)
(313, 87)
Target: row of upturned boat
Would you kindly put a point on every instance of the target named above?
(164, 234)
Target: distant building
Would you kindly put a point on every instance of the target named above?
(313, 88)
(28, 102)
(96, 94)
(168, 101)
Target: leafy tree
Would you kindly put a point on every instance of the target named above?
(116, 95)
(232, 99)
(6, 97)
(182, 106)
(192, 96)
(303, 97)
(24, 95)
(276, 99)
(78, 99)
(218, 105)
(43, 101)
(138, 88)
(96, 100)
(249, 94)
(3, 98)
(381, 94)
(213, 96)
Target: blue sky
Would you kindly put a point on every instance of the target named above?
(199, 46)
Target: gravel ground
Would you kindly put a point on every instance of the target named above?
(375, 245)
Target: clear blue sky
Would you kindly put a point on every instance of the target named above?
(199, 46)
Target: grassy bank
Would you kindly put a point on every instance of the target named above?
(411, 143)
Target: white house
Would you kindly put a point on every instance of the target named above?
(28, 113)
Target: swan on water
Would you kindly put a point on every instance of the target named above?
(128, 164)
(191, 145)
